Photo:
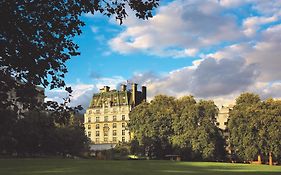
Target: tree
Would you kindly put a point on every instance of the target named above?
(151, 125)
(181, 126)
(243, 126)
(37, 39)
(39, 133)
(255, 127)
(196, 136)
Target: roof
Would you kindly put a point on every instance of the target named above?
(100, 147)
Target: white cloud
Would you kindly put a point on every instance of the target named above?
(183, 28)
(185, 25)
(232, 3)
(252, 24)
(81, 94)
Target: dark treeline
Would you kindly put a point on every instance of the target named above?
(36, 133)
(187, 128)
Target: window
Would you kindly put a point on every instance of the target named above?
(225, 123)
(97, 119)
(89, 134)
(114, 139)
(114, 125)
(114, 118)
(97, 140)
(97, 126)
(217, 123)
(89, 126)
(123, 117)
(90, 112)
(114, 132)
(123, 125)
(105, 133)
(105, 139)
(105, 118)
(123, 139)
(123, 132)
(97, 133)
(89, 119)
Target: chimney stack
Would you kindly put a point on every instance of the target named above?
(134, 92)
(106, 88)
(123, 87)
(143, 90)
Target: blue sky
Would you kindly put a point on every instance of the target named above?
(212, 49)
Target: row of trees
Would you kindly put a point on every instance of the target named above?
(187, 128)
(177, 126)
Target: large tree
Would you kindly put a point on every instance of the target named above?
(36, 39)
(196, 136)
(255, 127)
(151, 125)
(181, 126)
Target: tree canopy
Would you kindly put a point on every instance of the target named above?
(36, 38)
(177, 126)
(255, 128)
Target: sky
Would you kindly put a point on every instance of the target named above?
(211, 49)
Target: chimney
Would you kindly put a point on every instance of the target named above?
(134, 92)
(143, 90)
(106, 88)
(123, 87)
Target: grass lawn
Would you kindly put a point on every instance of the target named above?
(132, 167)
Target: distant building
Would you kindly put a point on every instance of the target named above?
(107, 117)
(222, 123)
(223, 117)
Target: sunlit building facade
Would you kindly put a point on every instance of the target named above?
(107, 117)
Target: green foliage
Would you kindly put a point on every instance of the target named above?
(195, 131)
(37, 39)
(255, 127)
(121, 151)
(182, 126)
(151, 124)
(38, 133)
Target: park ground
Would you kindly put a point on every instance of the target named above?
(130, 167)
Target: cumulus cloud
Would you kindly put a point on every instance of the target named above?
(242, 56)
(178, 29)
(252, 24)
(81, 95)
(220, 77)
(265, 53)
(210, 78)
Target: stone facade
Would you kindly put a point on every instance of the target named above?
(107, 117)
(222, 123)
(223, 117)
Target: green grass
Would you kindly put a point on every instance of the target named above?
(133, 167)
